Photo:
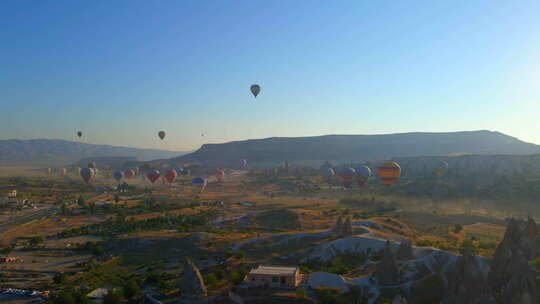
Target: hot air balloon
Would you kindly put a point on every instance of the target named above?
(87, 174)
(63, 172)
(129, 174)
(441, 168)
(389, 172)
(362, 174)
(186, 171)
(153, 176)
(92, 165)
(347, 176)
(79, 134)
(200, 181)
(161, 134)
(220, 174)
(243, 164)
(78, 170)
(179, 171)
(170, 176)
(327, 174)
(255, 90)
(118, 175)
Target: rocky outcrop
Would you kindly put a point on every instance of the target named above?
(347, 227)
(192, 287)
(399, 300)
(467, 284)
(405, 251)
(387, 270)
(338, 229)
(343, 227)
(521, 287)
(519, 237)
(510, 276)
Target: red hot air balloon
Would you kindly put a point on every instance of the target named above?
(153, 176)
(220, 174)
(347, 176)
(129, 174)
(170, 176)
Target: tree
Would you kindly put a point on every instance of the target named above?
(458, 228)
(92, 208)
(36, 240)
(64, 209)
(59, 278)
(131, 289)
(80, 201)
(210, 279)
(113, 296)
(301, 292)
(7, 250)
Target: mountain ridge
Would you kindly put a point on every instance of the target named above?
(360, 147)
(53, 152)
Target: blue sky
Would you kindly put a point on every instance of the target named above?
(122, 70)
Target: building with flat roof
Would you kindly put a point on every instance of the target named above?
(274, 277)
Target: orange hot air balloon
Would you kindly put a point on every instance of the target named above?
(389, 172)
(129, 174)
(220, 174)
(170, 176)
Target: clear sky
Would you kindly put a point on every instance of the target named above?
(122, 70)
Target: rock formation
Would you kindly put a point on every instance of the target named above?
(338, 229)
(192, 287)
(405, 251)
(347, 227)
(521, 287)
(510, 276)
(467, 284)
(519, 237)
(387, 270)
(399, 300)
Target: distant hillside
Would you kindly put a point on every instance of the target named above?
(345, 148)
(53, 152)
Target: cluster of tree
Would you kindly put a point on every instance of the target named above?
(130, 291)
(220, 276)
(121, 226)
(340, 264)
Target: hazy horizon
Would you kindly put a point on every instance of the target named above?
(122, 71)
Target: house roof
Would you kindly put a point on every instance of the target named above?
(274, 270)
(98, 293)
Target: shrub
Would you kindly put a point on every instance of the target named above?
(131, 289)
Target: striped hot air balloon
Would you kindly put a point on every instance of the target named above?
(389, 172)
